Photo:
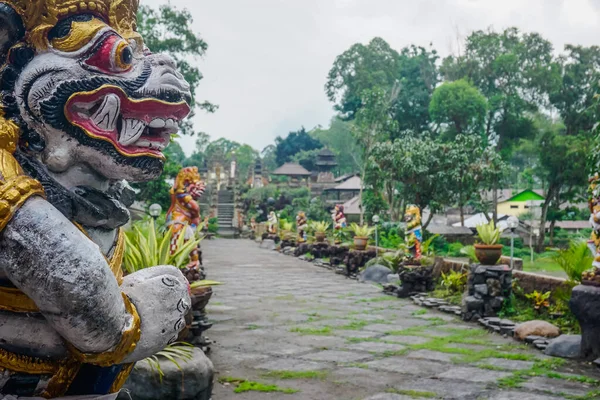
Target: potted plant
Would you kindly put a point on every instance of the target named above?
(320, 229)
(488, 252)
(361, 235)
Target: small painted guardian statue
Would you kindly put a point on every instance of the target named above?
(84, 105)
(272, 223)
(184, 215)
(414, 232)
(339, 222)
(301, 226)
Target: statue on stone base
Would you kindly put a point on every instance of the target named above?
(301, 226)
(183, 218)
(84, 106)
(272, 223)
(414, 233)
(339, 222)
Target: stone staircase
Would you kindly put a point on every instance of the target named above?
(225, 213)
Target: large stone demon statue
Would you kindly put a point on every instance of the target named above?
(83, 107)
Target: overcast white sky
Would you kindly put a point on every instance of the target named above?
(268, 60)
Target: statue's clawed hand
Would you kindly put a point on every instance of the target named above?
(161, 296)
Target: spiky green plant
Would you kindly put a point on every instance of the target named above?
(287, 226)
(175, 353)
(488, 233)
(319, 227)
(146, 246)
(362, 230)
(204, 283)
(469, 251)
(575, 260)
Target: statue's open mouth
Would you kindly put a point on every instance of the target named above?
(136, 127)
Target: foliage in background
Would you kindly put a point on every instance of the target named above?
(460, 106)
(294, 143)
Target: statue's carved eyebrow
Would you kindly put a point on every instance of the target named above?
(63, 27)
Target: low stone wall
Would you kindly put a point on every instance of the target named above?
(445, 265)
(542, 283)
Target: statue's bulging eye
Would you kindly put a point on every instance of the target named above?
(114, 55)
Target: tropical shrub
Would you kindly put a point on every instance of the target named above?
(540, 300)
(175, 353)
(454, 281)
(146, 246)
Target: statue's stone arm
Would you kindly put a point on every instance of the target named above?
(66, 275)
(69, 279)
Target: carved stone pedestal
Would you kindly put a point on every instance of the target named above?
(585, 304)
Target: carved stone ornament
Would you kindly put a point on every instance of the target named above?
(84, 107)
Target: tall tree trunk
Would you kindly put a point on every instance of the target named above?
(552, 225)
(462, 215)
(426, 224)
(543, 219)
(495, 204)
(362, 208)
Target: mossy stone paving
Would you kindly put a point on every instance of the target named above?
(286, 329)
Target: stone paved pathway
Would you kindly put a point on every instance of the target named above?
(281, 321)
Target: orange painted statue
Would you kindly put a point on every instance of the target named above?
(184, 215)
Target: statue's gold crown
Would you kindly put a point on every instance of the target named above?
(39, 16)
(413, 210)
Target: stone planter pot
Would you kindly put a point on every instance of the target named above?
(360, 243)
(320, 237)
(488, 254)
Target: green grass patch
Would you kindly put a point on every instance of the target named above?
(354, 325)
(244, 385)
(356, 365)
(323, 331)
(252, 327)
(250, 386)
(296, 374)
(414, 393)
(287, 297)
(419, 312)
(376, 299)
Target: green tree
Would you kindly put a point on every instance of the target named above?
(413, 70)
(417, 78)
(561, 168)
(269, 157)
(339, 139)
(374, 124)
(514, 71)
(245, 157)
(358, 69)
(412, 171)
(293, 144)
(470, 168)
(459, 106)
(575, 96)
